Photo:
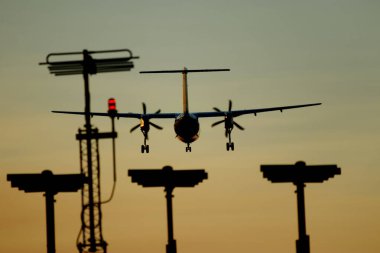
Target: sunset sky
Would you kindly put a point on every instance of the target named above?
(279, 52)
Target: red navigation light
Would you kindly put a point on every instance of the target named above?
(112, 105)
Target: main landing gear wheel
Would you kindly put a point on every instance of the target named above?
(144, 148)
(230, 146)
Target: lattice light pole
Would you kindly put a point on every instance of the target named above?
(92, 238)
(169, 179)
(299, 174)
(50, 184)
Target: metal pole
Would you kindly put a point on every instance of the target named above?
(87, 109)
(113, 149)
(302, 244)
(171, 246)
(50, 230)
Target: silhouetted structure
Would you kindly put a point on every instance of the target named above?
(169, 179)
(50, 184)
(92, 238)
(299, 174)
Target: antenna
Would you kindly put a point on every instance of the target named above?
(84, 63)
(89, 64)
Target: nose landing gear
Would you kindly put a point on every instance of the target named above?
(230, 146)
(188, 148)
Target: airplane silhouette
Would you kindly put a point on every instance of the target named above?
(186, 124)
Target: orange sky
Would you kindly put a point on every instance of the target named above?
(279, 54)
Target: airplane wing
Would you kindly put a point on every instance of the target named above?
(236, 113)
(124, 115)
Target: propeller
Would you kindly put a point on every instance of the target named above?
(228, 119)
(145, 122)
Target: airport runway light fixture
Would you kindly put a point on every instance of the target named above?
(169, 179)
(299, 174)
(46, 182)
(50, 184)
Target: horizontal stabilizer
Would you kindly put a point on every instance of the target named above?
(182, 71)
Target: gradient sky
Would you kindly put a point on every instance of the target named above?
(280, 53)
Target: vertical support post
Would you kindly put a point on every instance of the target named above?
(171, 247)
(50, 227)
(113, 148)
(87, 109)
(303, 242)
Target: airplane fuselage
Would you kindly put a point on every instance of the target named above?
(186, 126)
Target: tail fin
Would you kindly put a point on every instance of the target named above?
(184, 91)
(184, 81)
